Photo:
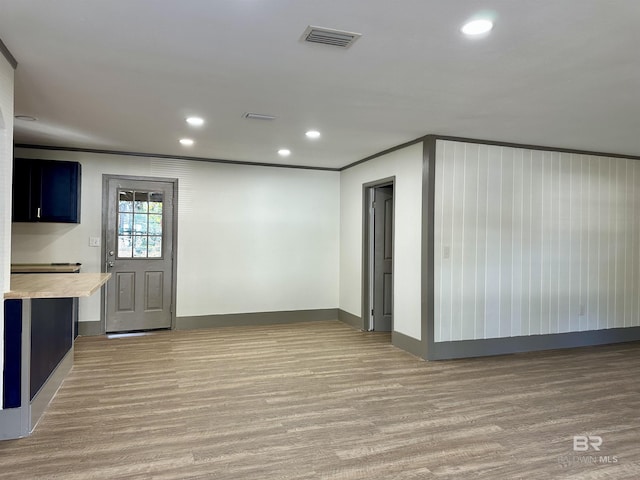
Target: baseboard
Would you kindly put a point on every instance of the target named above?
(407, 343)
(532, 343)
(257, 318)
(350, 319)
(14, 423)
(46, 393)
(89, 329)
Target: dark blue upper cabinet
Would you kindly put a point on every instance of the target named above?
(46, 191)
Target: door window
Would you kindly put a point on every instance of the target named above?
(139, 224)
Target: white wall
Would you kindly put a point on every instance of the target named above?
(250, 239)
(6, 166)
(538, 242)
(406, 166)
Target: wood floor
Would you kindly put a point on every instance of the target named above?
(322, 401)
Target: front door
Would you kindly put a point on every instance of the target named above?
(139, 253)
(383, 259)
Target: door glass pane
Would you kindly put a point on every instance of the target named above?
(155, 202)
(140, 247)
(155, 247)
(155, 224)
(125, 224)
(141, 202)
(139, 224)
(124, 246)
(125, 203)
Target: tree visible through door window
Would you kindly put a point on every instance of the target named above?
(139, 224)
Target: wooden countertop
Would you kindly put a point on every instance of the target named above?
(44, 268)
(55, 285)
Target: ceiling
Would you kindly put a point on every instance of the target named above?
(122, 75)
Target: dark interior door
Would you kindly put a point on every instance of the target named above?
(383, 259)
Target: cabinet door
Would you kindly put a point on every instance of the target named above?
(59, 191)
(23, 209)
(46, 191)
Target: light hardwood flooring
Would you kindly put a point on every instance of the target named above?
(322, 401)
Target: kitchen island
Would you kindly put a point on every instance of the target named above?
(39, 313)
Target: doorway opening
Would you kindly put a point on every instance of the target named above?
(378, 247)
(139, 232)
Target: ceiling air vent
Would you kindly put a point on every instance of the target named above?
(329, 36)
(259, 116)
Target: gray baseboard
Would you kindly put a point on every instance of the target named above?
(350, 319)
(407, 343)
(46, 393)
(502, 346)
(14, 423)
(257, 318)
(89, 329)
(20, 422)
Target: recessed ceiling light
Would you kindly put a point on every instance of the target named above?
(284, 152)
(26, 118)
(313, 134)
(195, 121)
(187, 142)
(477, 27)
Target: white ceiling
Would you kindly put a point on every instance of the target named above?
(123, 74)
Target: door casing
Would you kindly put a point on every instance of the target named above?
(367, 249)
(104, 247)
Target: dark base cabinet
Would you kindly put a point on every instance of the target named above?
(46, 191)
(51, 337)
(12, 353)
(38, 355)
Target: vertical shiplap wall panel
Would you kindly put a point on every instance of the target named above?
(531, 242)
(506, 229)
(526, 243)
(564, 244)
(537, 184)
(469, 240)
(593, 279)
(516, 243)
(438, 255)
(621, 245)
(545, 254)
(554, 235)
(603, 246)
(581, 188)
(611, 246)
(482, 210)
(458, 266)
(635, 240)
(575, 190)
(493, 261)
(6, 168)
(443, 262)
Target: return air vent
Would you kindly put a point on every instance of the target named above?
(329, 36)
(259, 116)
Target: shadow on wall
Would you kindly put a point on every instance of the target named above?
(37, 236)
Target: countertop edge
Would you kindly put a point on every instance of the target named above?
(64, 285)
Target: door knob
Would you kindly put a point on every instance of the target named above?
(111, 253)
(110, 264)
